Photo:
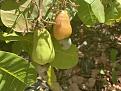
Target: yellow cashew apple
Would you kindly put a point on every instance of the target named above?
(62, 27)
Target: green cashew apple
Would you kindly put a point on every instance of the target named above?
(43, 50)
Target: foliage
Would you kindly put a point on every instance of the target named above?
(15, 72)
(20, 19)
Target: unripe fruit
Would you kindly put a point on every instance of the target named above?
(62, 28)
(43, 50)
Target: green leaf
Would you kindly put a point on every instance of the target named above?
(14, 37)
(98, 10)
(113, 57)
(119, 11)
(34, 12)
(89, 1)
(12, 4)
(46, 5)
(18, 46)
(24, 5)
(13, 17)
(111, 13)
(51, 75)
(113, 54)
(119, 1)
(65, 59)
(8, 17)
(85, 13)
(7, 82)
(52, 80)
(45, 9)
(18, 22)
(114, 75)
(15, 72)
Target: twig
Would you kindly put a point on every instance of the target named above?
(40, 9)
(48, 22)
(73, 4)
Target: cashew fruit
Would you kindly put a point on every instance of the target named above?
(65, 43)
(43, 50)
(62, 27)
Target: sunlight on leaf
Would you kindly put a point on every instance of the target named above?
(89, 1)
(85, 13)
(98, 10)
(52, 80)
(12, 17)
(15, 72)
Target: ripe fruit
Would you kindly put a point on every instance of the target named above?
(62, 28)
(43, 50)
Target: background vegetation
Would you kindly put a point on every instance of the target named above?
(91, 63)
